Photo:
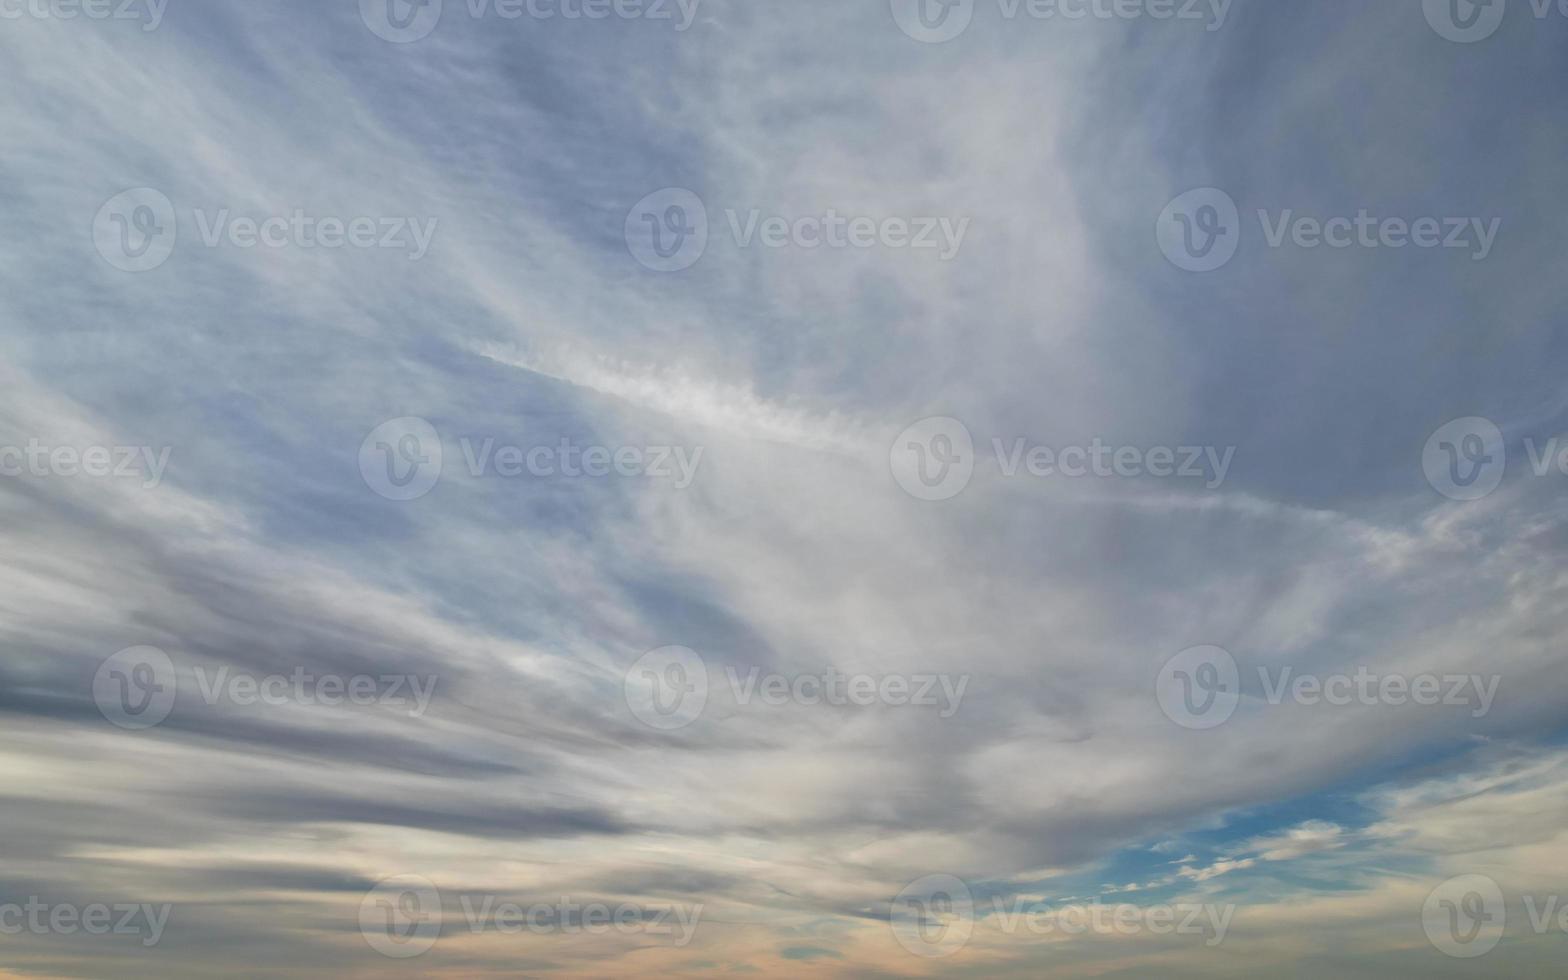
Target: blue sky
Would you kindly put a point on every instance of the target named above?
(767, 264)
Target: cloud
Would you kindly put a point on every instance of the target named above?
(264, 551)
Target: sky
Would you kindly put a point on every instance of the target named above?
(871, 488)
